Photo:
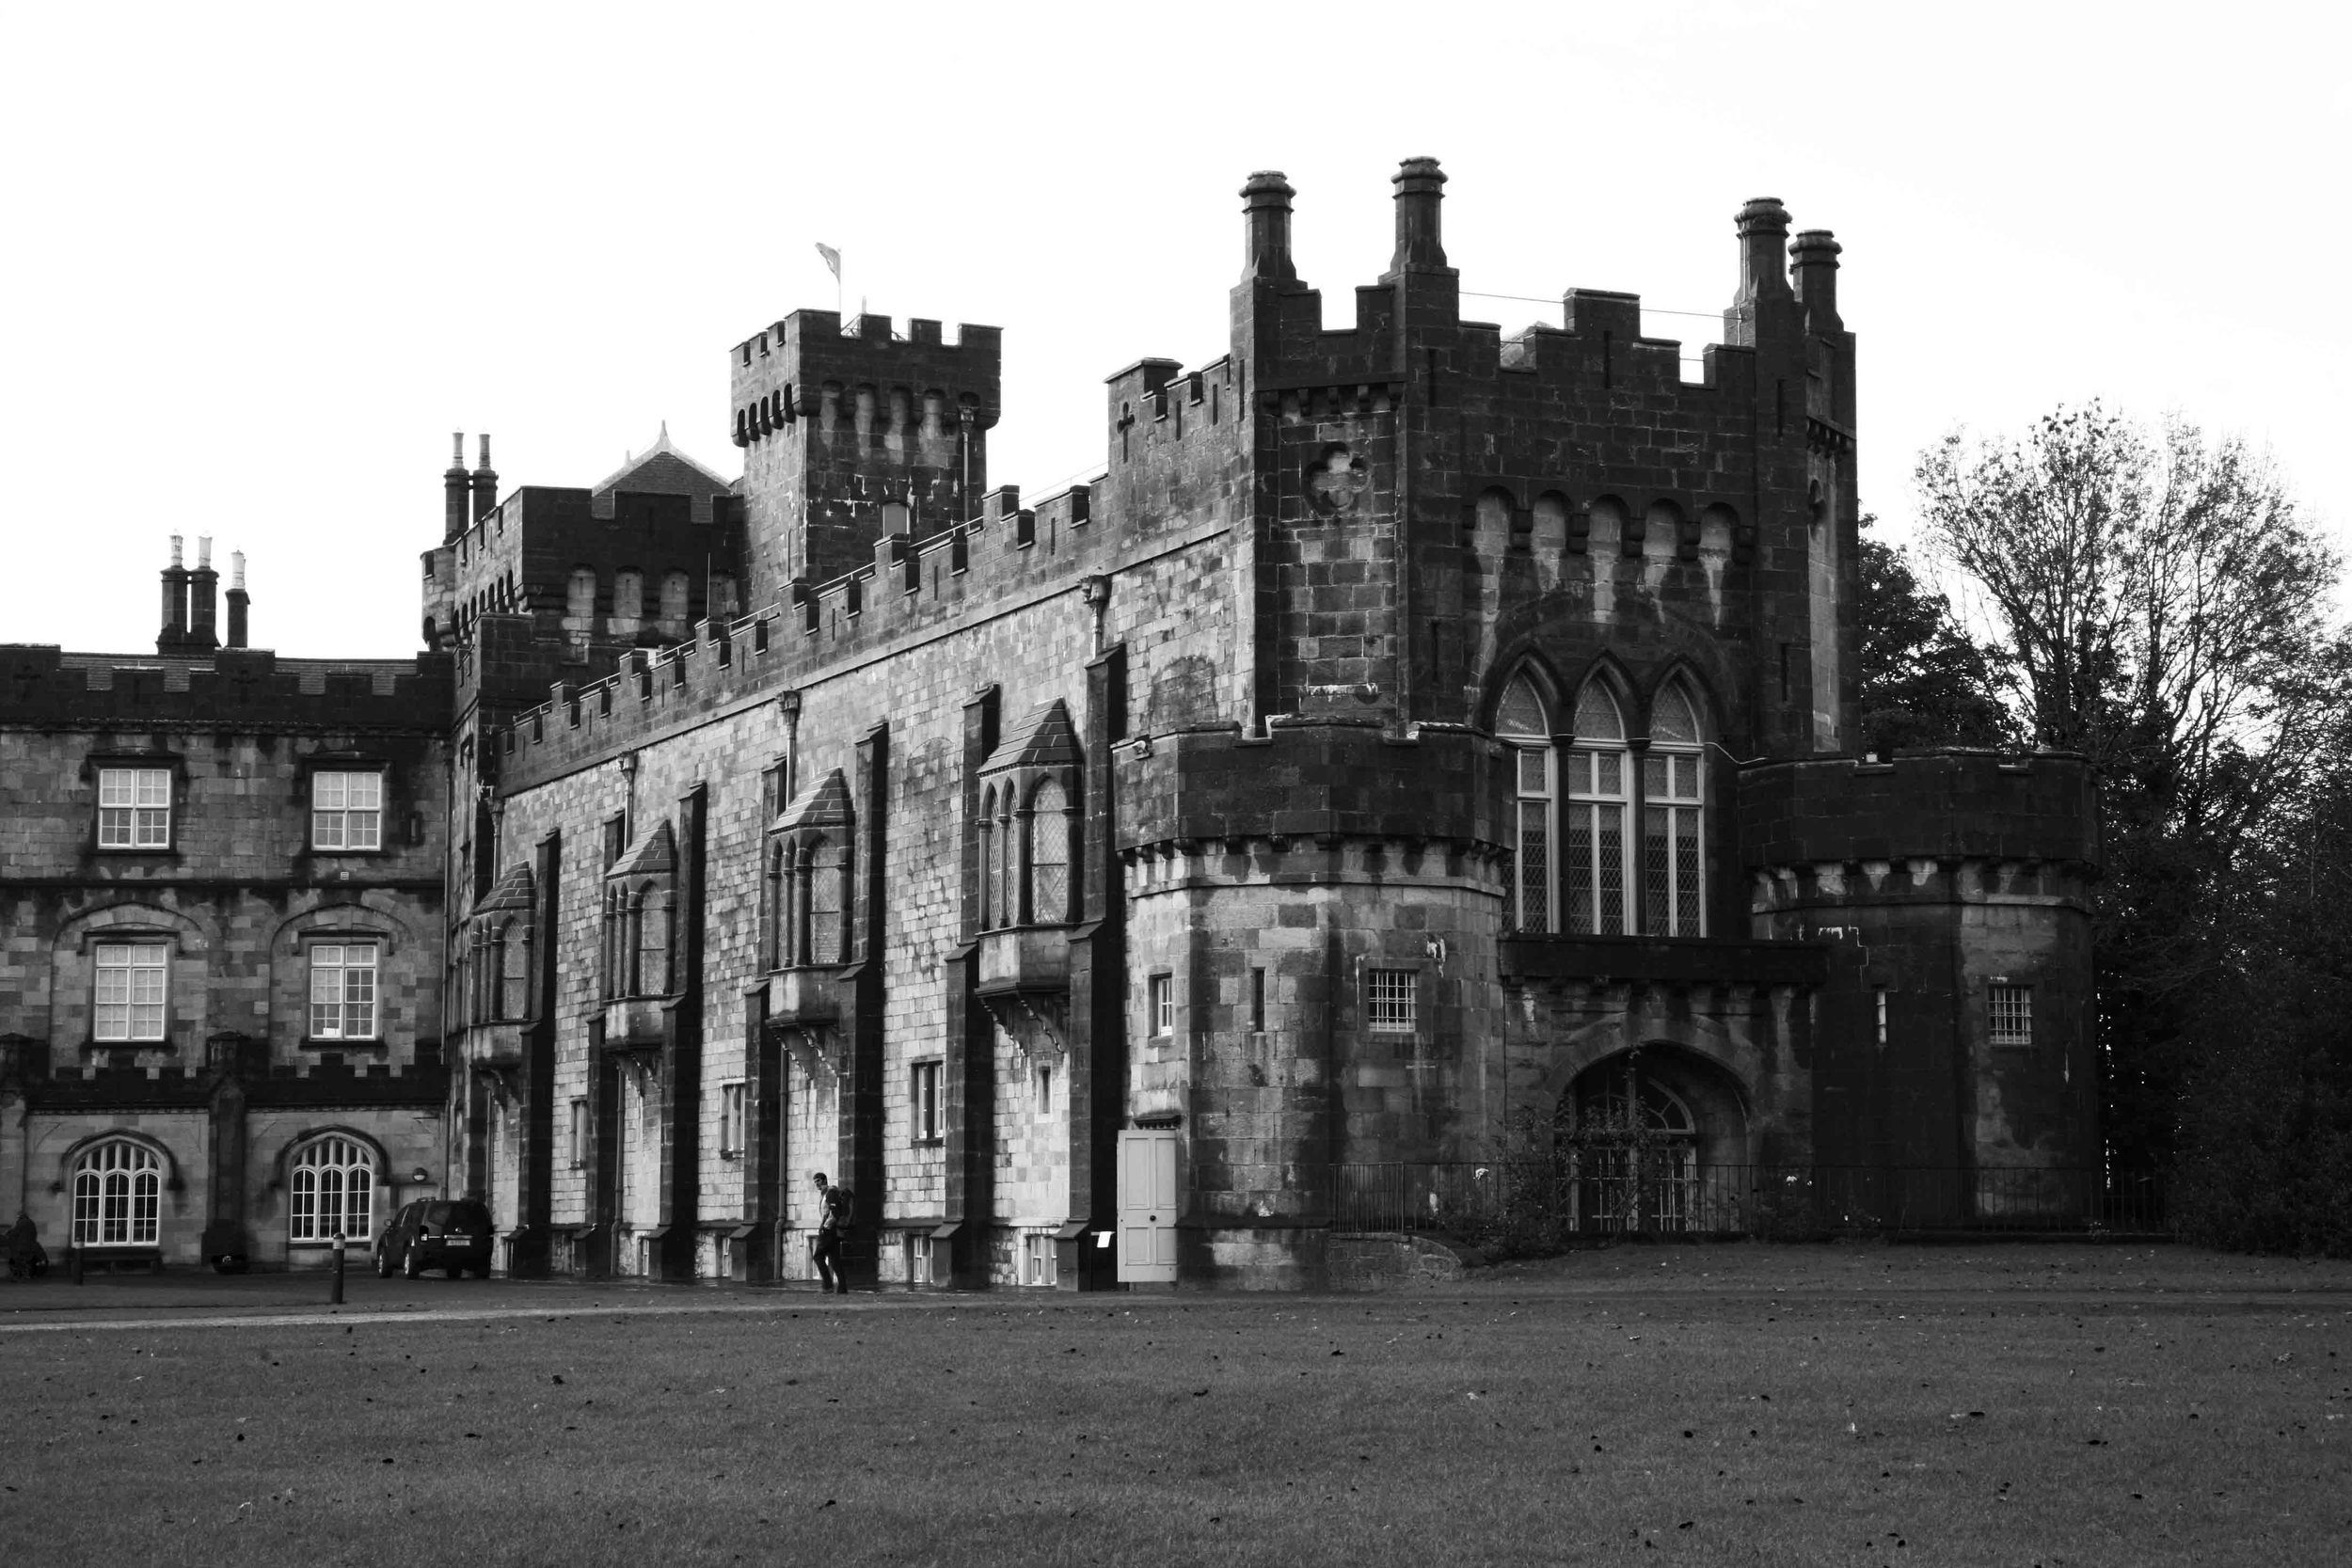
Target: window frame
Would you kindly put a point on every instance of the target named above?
(357, 1157)
(344, 814)
(163, 953)
(1588, 807)
(734, 1124)
(1159, 1006)
(577, 1133)
(926, 1129)
(135, 843)
(2020, 1034)
(1405, 987)
(312, 946)
(1674, 897)
(141, 1170)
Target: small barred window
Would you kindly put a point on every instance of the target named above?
(1390, 1000)
(2012, 1015)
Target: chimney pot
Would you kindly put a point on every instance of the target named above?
(1814, 259)
(1419, 187)
(1266, 202)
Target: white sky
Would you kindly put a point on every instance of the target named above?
(262, 261)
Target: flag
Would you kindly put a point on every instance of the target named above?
(832, 258)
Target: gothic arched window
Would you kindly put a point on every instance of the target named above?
(1596, 845)
(117, 1195)
(1525, 725)
(1673, 811)
(331, 1188)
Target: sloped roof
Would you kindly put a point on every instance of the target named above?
(1042, 737)
(645, 467)
(654, 853)
(515, 890)
(824, 804)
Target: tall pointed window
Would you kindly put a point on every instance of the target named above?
(1595, 847)
(1525, 725)
(811, 876)
(992, 864)
(1049, 855)
(1672, 810)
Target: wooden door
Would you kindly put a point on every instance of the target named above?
(1147, 1206)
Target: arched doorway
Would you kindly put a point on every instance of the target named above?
(1652, 1139)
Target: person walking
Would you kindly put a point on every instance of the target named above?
(833, 1219)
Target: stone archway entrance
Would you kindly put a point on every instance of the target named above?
(1652, 1139)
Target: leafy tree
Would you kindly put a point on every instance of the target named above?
(2161, 604)
(1924, 681)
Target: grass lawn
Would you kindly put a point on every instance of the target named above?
(1736, 1404)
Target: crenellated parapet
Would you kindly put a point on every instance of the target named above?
(1843, 827)
(850, 435)
(42, 687)
(1304, 783)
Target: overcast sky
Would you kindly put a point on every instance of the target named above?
(263, 261)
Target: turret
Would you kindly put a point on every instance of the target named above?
(1763, 228)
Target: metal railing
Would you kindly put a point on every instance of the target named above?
(1665, 1192)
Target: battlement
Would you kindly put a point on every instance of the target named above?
(41, 686)
(1009, 554)
(1927, 806)
(806, 366)
(1311, 779)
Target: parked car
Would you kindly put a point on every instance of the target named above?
(437, 1234)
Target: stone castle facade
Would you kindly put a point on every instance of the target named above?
(1420, 740)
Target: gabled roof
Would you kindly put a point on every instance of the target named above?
(1044, 737)
(654, 854)
(514, 890)
(647, 468)
(824, 804)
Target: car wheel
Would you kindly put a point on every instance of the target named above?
(412, 1265)
(383, 1264)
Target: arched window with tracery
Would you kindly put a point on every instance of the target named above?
(1632, 1147)
(117, 1195)
(1524, 723)
(810, 875)
(639, 934)
(1049, 855)
(1672, 812)
(1596, 847)
(331, 1187)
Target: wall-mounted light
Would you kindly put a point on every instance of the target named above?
(418, 1176)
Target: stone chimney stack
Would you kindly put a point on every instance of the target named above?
(455, 517)
(203, 600)
(1419, 187)
(174, 635)
(485, 484)
(1267, 199)
(238, 599)
(1815, 256)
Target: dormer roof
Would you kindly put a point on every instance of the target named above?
(654, 854)
(1044, 737)
(824, 804)
(514, 890)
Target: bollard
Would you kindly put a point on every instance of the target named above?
(335, 1298)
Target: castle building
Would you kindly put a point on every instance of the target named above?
(221, 1001)
(1422, 745)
